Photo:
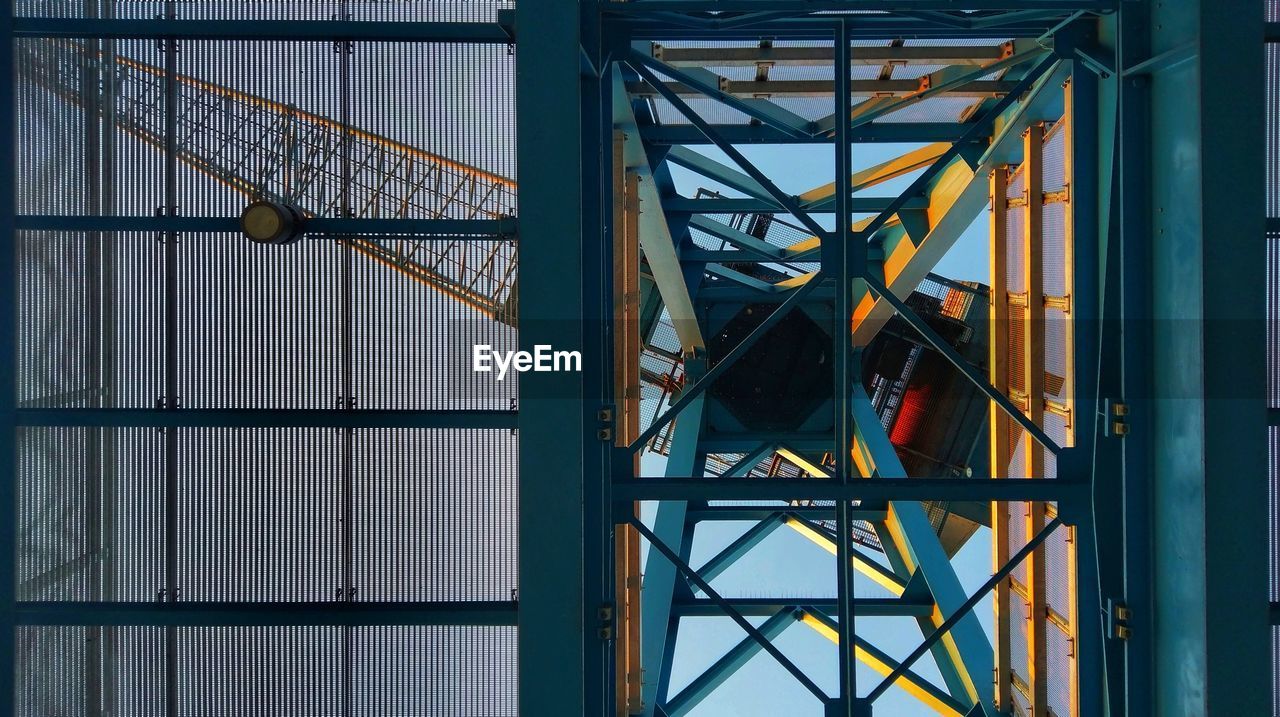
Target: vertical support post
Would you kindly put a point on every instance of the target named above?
(627, 347)
(661, 576)
(998, 373)
(844, 365)
(171, 399)
(1033, 380)
(8, 362)
(1069, 384)
(553, 438)
(1206, 421)
(1082, 110)
(598, 326)
(1067, 129)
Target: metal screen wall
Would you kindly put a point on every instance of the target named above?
(205, 319)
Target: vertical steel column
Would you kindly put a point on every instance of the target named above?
(1082, 110)
(552, 434)
(1206, 419)
(842, 331)
(171, 399)
(661, 577)
(8, 362)
(1033, 382)
(627, 348)
(1070, 387)
(998, 373)
(599, 610)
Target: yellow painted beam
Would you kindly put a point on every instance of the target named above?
(910, 683)
(878, 574)
(998, 373)
(883, 172)
(1033, 379)
(805, 464)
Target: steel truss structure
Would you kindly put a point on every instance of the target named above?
(1116, 495)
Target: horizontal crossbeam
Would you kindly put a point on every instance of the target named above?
(763, 607)
(876, 132)
(444, 229)
(262, 418)
(825, 56)
(256, 613)
(872, 489)
(470, 32)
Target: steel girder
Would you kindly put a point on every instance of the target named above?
(963, 651)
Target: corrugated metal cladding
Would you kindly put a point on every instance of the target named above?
(376, 10)
(130, 319)
(268, 671)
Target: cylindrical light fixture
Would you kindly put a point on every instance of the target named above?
(267, 222)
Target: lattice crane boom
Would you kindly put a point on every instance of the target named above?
(266, 149)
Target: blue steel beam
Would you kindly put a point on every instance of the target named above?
(964, 657)
(692, 392)
(738, 238)
(1082, 154)
(722, 669)
(658, 590)
(717, 172)
(735, 277)
(748, 461)
(878, 660)
(708, 83)
(760, 512)
(949, 352)
(763, 607)
(865, 205)
(1203, 413)
(740, 546)
(878, 132)
(692, 576)
(642, 63)
(844, 255)
(552, 658)
(965, 610)
(819, 28)
(656, 236)
(644, 7)
(1069, 492)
